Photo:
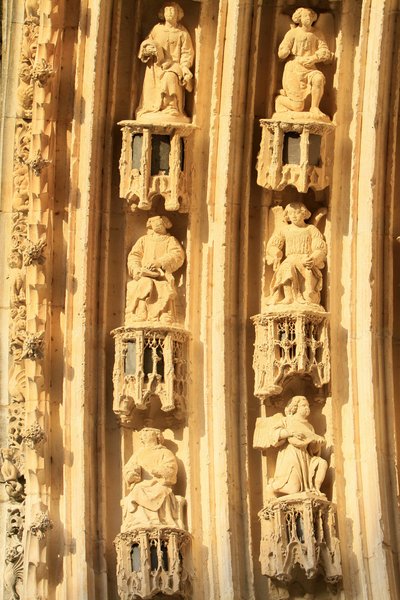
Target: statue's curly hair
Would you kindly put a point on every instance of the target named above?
(178, 8)
(292, 405)
(296, 17)
(296, 205)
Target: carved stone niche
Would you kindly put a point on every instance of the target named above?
(290, 341)
(149, 362)
(151, 562)
(297, 154)
(299, 531)
(156, 161)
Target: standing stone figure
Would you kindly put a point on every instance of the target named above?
(150, 473)
(301, 78)
(168, 53)
(299, 466)
(151, 262)
(298, 278)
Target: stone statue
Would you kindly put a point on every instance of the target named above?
(150, 473)
(168, 53)
(301, 79)
(151, 262)
(299, 467)
(298, 278)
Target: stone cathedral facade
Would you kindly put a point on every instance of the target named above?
(200, 359)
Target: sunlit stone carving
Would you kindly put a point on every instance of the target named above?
(156, 160)
(299, 466)
(168, 54)
(151, 545)
(296, 252)
(149, 362)
(298, 523)
(297, 154)
(290, 343)
(151, 293)
(292, 331)
(305, 48)
(299, 531)
(296, 143)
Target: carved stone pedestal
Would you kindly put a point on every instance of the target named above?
(294, 153)
(149, 361)
(290, 340)
(299, 531)
(154, 162)
(151, 562)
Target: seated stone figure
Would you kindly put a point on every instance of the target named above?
(151, 262)
(168, 54)
(150, 473)
(301, 78)
(299, 468)
(296, 279)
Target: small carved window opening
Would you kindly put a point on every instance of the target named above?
(314, 150)
(160, 153)
(291, 148)
(164, 556)
(135, 558)
(137, 145)
(130, 358)
(300, 527)
(153, 357)
(153, 555)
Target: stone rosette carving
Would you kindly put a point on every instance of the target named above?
(304, 47)
(37, 163)
(149, 362)
(42, 71)
(33, 345)
(156, 161)
(150, 547)
(168, 54)
(41, 525)
(33, 252)
(33, 435)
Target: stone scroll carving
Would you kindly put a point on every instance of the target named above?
(168, 55)
(298, 522)
(152, 261)
(305, 47)
(153, 541)
(292, 331)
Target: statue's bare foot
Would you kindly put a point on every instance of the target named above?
(317, 113)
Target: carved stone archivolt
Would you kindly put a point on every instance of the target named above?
(156, 160)
(34, 149)
(153, 541)
(149, 362)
